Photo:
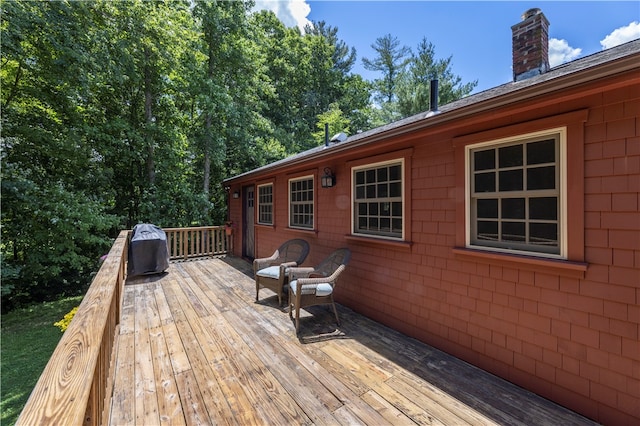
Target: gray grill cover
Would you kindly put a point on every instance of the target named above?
(148, 252)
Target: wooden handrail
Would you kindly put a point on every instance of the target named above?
(76, 384)
(72, 389)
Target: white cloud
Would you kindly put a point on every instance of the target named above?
(560, 52)
(292, 13)
(621, 35)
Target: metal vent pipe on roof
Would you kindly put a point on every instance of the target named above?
(326, 134)
(433, 95)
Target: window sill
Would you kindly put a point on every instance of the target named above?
(550, 266)
(264, 225)
(301, 230)
(380, 241)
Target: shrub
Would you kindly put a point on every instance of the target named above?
(64, 322)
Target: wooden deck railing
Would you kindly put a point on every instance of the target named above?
(202, 241)
(75, 382)
(75, 386)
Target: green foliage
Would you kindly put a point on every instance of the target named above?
(413, 89)
(52, 240)
(28, 340)
(116, 113)
(391, 60)
(335, 119)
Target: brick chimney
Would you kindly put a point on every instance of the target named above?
(530, 45)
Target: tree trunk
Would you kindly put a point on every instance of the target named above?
(148, 118)
(207, 154)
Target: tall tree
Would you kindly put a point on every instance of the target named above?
(138, 103)
(226, 89)
(413, 88)
(391, 60)
(343, 57)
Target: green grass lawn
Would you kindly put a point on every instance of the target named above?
(28, 340)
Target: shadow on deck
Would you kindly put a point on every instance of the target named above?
(195, 348)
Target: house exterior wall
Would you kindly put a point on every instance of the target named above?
(567, 330)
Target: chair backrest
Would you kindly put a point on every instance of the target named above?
(295, 250)
(332, 262)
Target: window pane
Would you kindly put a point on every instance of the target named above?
(383, 190)
(397, 225)
(371, 191)
(385, 224)
(395, 173)
(485, 182)
(382, 174)
(395, 189)
(373, 209)
(544, 234)
(513, 208)
(359, 178)
(541, 152)
(484, 160)
(385, 209)
(510, 156)
(487, 209)
(396, 209)
(541, 178)
(359, 192)
(513, 231)
(545, 208)
(511, 180)
(487, 230)
(371, 176)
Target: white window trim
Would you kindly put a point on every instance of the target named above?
(313, 218)
(400, 160)
(562, 164)
(272, 203)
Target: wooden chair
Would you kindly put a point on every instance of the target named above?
(271, 272)
(314, 286)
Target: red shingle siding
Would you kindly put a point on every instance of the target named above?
(571, 336)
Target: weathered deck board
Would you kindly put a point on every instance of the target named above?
(196, 349)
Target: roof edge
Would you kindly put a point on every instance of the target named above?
(565, 81)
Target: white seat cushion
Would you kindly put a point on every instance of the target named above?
(270, 272)
(322, 289)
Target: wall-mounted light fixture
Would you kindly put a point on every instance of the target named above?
(236, 194)
(328, 180)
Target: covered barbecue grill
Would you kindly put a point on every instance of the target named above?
(148, 253)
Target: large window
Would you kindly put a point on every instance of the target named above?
(516, 194)
(301, 202)
(378, 202)
(265, 204)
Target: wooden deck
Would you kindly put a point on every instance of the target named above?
(195, 348)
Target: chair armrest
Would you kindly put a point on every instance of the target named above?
(263, 262)
(299, 272)
(284, 270)
(310, 281)
(331, 279)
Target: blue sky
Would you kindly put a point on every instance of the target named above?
(476, 34)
